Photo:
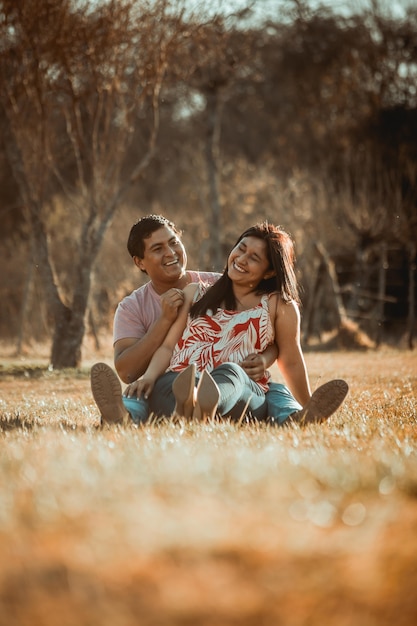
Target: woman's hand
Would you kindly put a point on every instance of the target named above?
(255, 366)
(141, 387)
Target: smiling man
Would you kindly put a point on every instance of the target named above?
(144, 317)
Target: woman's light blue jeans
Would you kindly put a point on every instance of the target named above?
(237, 390)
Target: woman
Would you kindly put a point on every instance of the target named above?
(253, 304)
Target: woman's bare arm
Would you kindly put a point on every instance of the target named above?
(290, 356)
(162, 356)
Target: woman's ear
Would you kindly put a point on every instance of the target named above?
(269, 274)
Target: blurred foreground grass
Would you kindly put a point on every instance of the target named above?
(210, 525)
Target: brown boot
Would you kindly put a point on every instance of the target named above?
(107, 392)
(325, 400)
(208, 396)
(183, 390)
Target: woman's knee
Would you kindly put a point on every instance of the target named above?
(230, 370)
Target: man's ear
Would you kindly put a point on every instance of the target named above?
(139, 263)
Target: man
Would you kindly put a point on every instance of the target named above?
(143, 318)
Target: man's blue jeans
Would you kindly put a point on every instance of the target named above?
(281, 403)
(237, 390)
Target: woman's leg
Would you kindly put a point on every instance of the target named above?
(162, 401)
(238, 391)
(280, 403)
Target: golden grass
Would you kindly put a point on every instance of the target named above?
(210, 525)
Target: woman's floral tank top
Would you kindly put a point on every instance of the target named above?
(210, 340)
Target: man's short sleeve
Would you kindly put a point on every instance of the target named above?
(136, 313)
(127, 322)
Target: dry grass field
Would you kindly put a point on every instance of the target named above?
(210, 525)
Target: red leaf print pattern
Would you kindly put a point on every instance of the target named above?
(209, 341)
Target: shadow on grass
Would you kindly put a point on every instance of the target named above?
(17, 422)
(41, 371)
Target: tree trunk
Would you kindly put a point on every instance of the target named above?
(411, 293)
(93, 328)
(382, 279)
(313, 300)
(27, 293)
(357, 282)
(69, 321)
(70, 326)
(331, 270)
(66, 342)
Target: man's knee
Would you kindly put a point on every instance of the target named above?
(138, 409)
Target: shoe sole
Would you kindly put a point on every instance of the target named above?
(325, 400)
(183, 390)
(208, 396)
(107, 393)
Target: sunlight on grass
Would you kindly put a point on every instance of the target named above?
(197, 511)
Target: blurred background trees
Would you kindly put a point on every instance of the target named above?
(112, 110)
(76, 79)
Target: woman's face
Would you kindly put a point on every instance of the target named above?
(248, 262)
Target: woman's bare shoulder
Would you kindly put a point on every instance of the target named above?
(191, 290)
(283, 308)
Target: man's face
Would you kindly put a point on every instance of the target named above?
(164, 258)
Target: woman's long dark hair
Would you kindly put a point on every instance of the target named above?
(280, 253)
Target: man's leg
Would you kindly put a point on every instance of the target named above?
(281, 403)
(138, 409)
(324, 401)
(107, 392)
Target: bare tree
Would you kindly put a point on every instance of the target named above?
(79, 83)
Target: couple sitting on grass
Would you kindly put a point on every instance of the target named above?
(201, 368)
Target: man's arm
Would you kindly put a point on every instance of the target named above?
(256, 364)
(161, 358)
(132, 355)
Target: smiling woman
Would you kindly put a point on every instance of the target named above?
(247, 266)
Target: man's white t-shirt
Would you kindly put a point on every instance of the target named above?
(136, 313)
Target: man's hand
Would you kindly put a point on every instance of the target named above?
(171, 302)
(255, 366)
(141, 387)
